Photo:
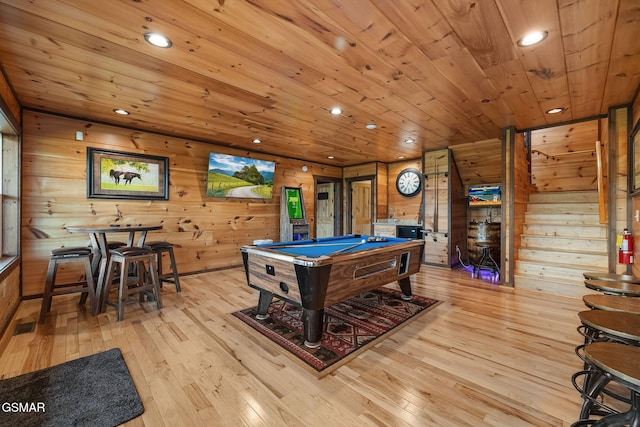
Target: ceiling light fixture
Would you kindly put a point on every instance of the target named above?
(532, 38)
(330, 157)
(555, 110)
(256, 140)
(121, 111)
(371, 126)
(158, 40)
(401, 157)
(336, 111)
(409, 140)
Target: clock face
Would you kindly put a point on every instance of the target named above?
(409, 182)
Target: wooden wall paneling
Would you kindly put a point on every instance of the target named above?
(9, 301)
(458, 215)
(208, 232)
(563, 157)
(508, 237)
(382, 191)
(619, 137)
(436, 207)
(521, 188)
(479, 162)
(402, 208)
(365, 169)
(8, 98)
(635, 109)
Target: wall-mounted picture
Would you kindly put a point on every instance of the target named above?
(485, 195)
(119, 175)
(233, 176)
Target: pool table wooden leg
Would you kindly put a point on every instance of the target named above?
(312, 321)
(405, 287)
(263, 304)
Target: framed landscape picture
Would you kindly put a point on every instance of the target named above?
(120, 175)
(243, 177)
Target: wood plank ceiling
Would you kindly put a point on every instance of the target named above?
(438, 72)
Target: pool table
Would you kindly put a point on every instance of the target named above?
(317, 273)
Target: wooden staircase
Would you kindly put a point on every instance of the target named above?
(562, 238)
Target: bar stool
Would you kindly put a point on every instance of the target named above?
(612, 277)
(614, 288)
(132, 259)
(612, 303)
(609, 362)
(486, 262)
(601, 325)
(87, 287)
(159, 248)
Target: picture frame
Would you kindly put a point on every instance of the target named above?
(634, 156)
(122, 175)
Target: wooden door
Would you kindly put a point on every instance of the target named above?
(361, 207)
(325, 210)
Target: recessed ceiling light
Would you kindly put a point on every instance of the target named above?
(330, 157)
(371, 126)
(336, 111)
(555, 110)
(532, 38)
(120, 111)
(401, 157)
(157, 39)
(409, 140)
(256, 140)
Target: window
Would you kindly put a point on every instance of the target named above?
(9, 192)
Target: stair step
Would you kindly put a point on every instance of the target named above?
(561, 219)
(585, 260)
(563, 196)
(550, 286)
(561, 230)
(570, 273)
(578, 245)
(563, 208)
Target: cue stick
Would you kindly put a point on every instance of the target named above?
(348, 247)
(307, 245)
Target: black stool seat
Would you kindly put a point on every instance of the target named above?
(86, 287)
(131, 250)
(612, 303)
(79, 251)
(159, 247)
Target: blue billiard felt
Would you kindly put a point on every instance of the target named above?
(317, 247)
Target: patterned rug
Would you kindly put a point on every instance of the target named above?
(350, 326)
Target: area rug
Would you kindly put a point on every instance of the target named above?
(350, 326)
(95, 391)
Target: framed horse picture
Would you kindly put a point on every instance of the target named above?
(120, 175)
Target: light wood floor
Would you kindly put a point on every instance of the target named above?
(486, 356)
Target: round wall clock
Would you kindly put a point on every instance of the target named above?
(409, 182)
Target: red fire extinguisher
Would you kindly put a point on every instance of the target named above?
(625, 254)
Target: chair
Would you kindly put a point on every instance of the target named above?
(87, 287)
(160, 248)
(132, 260)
